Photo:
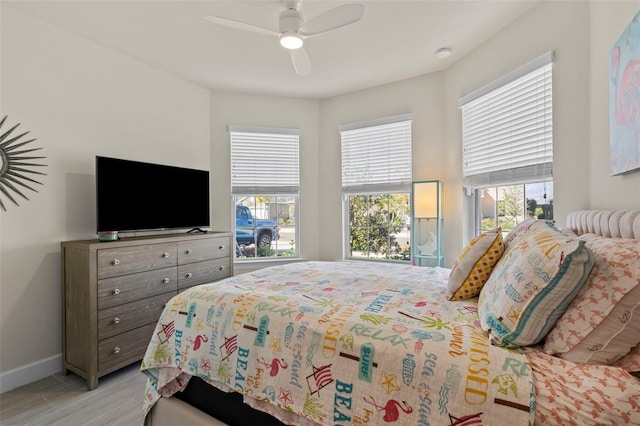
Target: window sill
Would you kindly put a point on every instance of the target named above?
(243, 266)
(360, 259)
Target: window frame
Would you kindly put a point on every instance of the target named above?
(541, 171)
(398, 183)
(478, 207)
(252, 184)
(296, 238)
(346, 240)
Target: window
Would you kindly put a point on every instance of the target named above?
(507, 138)
(376, 187)
(265, 191)
(507, 205)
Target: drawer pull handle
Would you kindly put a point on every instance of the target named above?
(115, 262)
(220, 268)
(116, 350)
(221, 247)
(116, 320)
(116, 291)
(165, 280)
(189, 251)
(189, 275)
(165, 255)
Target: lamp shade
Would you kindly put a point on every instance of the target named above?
(425, 199)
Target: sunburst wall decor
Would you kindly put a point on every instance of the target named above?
(14, 164)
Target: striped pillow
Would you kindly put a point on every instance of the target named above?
(534, 281)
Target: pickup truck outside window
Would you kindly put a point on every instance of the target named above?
(260, 232)
(265, 226)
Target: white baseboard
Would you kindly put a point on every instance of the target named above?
(30, 373)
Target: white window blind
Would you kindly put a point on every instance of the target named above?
(507, 128)
(376, 155)
(264, 160)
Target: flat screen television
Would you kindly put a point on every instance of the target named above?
(137, 196)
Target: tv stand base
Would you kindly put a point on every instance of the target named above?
(204, 231)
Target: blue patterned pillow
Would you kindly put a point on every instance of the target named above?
(532, 285)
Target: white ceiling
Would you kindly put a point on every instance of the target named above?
(393, 41)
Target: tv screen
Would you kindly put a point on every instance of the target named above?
(135, 196)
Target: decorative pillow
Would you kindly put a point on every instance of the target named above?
(474, 265)
(534, 281)
(523, 227)
(631, 361)
(517, 230)
(598, 326)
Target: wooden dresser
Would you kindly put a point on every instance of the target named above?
(114, 292)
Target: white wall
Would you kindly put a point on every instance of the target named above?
(79, 100)
(559, 26)
(437, 137)
(268, 111)
(608, 21)
(423, 96)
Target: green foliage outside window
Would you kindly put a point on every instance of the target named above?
(374, 224)
(510, 207)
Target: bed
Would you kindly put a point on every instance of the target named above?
(538, 327)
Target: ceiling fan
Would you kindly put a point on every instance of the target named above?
(293, 29)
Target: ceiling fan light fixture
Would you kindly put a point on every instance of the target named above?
(293, 29)
(291, 41)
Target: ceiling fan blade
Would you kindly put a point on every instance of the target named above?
(301, 61)
(226, 22)
(332, 19)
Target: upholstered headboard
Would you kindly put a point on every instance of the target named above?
(608, 223)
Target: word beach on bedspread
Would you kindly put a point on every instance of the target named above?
(341, 343)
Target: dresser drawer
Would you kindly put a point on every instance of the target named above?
(132, 287)
(123, 349)
(199, 250)
(203, 272)
(132, 315)
(126, 260)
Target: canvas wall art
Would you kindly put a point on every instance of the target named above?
(624, 100)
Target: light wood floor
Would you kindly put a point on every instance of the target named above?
(65, 400)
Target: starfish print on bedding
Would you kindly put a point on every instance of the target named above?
(275, 345)
(388, 382)
(199, 325)
(285, 397)
(205, 365)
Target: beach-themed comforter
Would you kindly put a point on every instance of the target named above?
(341, 343)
